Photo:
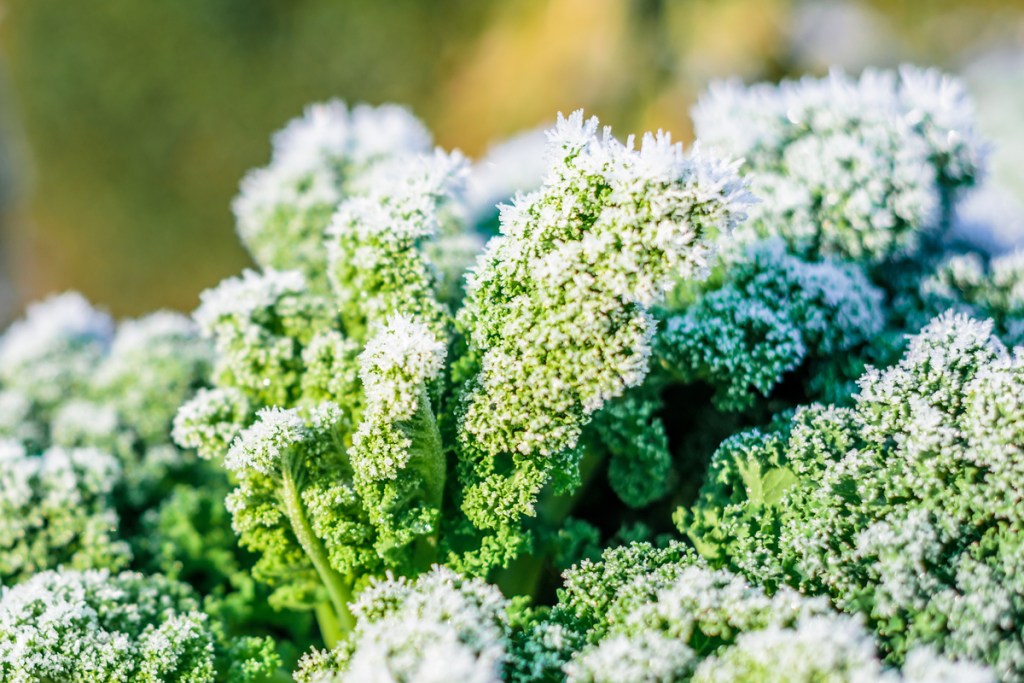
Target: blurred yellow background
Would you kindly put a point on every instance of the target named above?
(126, 125)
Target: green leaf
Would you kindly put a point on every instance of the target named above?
(775, 484)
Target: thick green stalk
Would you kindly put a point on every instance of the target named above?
(522, 576)
(427, 457)
(327, 620)
(279, 677)
(338, 590)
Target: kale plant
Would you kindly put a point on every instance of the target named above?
(748, 412)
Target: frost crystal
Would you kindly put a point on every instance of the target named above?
(262, 446)
(397, 363)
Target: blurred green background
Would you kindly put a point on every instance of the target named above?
(125, 125)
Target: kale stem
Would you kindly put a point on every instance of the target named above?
(278, 676)
(327, 620)
(427, 456)
(522, 576)
(337, 589)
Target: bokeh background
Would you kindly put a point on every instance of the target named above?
(126, 125)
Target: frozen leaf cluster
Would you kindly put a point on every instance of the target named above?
(56, 509)
(772, 312)
(356, 419)
(69, 376)
(92, 480)
(409, 450)
(905, 507)
(87, 410)
(558, 311)
(843, 166)
(325, 377)
(647, 615)
(983, 287)
(96, 626)
(284, 207)
(52, 351)
(375, 242)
